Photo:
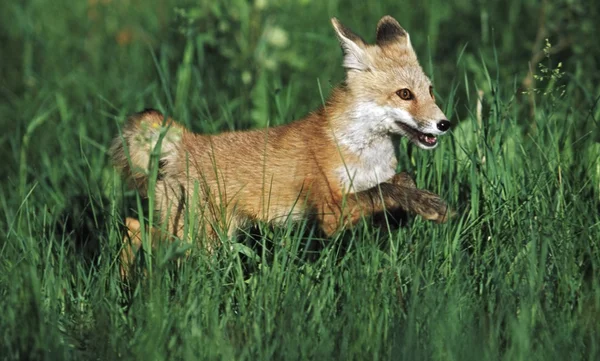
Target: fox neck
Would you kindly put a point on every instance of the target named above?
(366, 146)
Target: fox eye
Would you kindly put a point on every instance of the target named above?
(431, 92)
(404, 94)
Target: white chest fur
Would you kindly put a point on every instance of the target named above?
(376, 164)
(366, 136)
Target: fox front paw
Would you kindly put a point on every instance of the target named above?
(431, 207)
(424, 203)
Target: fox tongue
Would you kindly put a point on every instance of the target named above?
(428, 138)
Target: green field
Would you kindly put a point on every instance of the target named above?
(514, 276)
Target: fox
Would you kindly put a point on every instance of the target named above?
(336, 165)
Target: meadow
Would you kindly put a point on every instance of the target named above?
(514, 276)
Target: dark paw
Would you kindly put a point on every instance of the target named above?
(431, 207)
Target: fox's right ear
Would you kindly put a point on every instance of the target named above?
(355, 56)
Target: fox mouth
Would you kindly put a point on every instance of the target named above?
(426, 140)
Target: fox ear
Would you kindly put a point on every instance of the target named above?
(355, 56)
(389, 32)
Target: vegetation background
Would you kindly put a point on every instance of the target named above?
(514, 277)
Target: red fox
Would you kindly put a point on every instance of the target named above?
(336, 165)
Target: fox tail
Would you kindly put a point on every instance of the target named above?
(133, 150)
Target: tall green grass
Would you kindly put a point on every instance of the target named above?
(513, 277)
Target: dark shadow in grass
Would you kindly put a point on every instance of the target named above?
(312, 238)
(84, 222)
(314, 243)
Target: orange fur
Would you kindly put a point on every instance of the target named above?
(336, 165)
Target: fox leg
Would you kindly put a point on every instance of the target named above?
(399, 193)
(422, 202)
(173, 227)
(403, 179)
(208, 228)
(132, 242)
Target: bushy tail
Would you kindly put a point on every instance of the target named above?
(131, 151)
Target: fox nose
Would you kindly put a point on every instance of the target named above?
(443, 125)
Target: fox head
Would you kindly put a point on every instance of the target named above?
(390, 92)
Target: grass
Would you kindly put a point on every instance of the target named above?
(513, 277)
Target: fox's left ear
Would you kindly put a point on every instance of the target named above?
(389, 32)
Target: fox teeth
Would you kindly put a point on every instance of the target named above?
(428, 139)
